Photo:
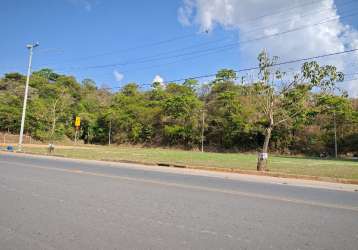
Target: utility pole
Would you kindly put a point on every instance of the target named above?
(335, 135)
(30, 47)
(202, 130)
(109, 132)
(76, 135)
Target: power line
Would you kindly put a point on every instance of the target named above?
(350, 80)
(351, 74)
(148, 84)
(301, 16)
(135, 47)
(216, 49)
(257, 67)
(282, 10)
(169, 63)
(276, 64)
(181, 49)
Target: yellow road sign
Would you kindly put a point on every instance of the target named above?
(78, 121)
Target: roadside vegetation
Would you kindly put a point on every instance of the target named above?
(279, 112)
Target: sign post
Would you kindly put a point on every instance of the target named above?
(77, 125)
(78, 121)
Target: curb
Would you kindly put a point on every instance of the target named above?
(247, 172)
(278, 175)
(220, 169)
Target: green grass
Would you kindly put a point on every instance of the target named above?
(288, 165)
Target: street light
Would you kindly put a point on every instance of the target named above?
(30, 47)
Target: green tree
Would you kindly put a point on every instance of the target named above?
(181, 110)
(284, 101)
(228, 112)
(11, 93)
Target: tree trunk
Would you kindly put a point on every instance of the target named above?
(54, 119)
(88, 136)
(262, 159)
(53, 128)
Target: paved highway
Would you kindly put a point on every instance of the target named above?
(65, 204)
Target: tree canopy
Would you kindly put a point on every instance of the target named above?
(283, 114)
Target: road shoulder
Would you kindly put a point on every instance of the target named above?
(204, 172)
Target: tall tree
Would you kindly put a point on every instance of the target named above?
(285, 100)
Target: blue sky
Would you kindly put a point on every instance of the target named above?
(76, 35)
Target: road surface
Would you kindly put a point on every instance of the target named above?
(50, 203)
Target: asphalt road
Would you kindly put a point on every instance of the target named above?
(64, 204)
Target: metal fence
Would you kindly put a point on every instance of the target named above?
(7, 138)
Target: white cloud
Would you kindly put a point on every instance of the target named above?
(185, 12)
(158, 79)
(332, 36)
(118, 76)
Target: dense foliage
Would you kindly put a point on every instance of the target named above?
(172, 114)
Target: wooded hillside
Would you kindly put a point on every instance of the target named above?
(231, 113)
